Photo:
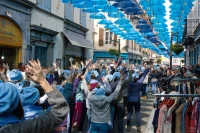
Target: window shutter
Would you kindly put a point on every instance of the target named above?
(115, 40)
(101, 36)
(41, 4)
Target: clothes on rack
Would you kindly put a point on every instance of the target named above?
(173, 116)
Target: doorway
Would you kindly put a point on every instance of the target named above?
(8, 55)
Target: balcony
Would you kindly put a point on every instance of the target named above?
(134, 52)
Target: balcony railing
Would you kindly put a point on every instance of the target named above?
(134, 51)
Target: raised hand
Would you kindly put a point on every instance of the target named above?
(123, 77)
(6, 66)
(35, 71)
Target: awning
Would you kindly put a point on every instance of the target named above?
(77, 41)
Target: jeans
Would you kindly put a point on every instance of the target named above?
(144, 89)
(137, 112)
(117, 109)
(89, 120)
(153, 87)
(99, 127)
(84, 113)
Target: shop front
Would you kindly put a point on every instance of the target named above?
(15, 19)
(42, 44)
(75, 43)
(10, 42)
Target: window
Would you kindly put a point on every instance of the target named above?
(175, 60)
(82, 18)
(109, 36)
(69, 14)
(44, 4)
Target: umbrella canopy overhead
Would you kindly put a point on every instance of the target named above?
(116, 15)
(105, 22)
(97, 16)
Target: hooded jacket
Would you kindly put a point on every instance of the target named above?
(100, 104)
(135, 88)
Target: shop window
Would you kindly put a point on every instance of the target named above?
(82, 18)
(44, 4)
(69, 12)
(109, 36)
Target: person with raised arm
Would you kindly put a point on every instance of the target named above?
(11, 110)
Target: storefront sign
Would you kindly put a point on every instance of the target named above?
(73, 50)
(10, 34)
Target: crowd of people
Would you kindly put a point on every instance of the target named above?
(38, 100)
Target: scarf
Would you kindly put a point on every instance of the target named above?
(31, 111)
(8, 119)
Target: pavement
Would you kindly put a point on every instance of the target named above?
(147, 112)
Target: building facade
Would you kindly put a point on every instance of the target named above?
(50, 30)
(191, 36)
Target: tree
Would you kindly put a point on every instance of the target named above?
(113, 52)
(177, 49)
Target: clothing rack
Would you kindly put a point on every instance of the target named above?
(176, 95)
(187, 79)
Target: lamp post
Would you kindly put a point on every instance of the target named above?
(172, 34)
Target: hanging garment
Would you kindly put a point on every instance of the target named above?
(188, 115)
(193, 122)
(178, 118)
(183, 117)
(174, 120)
(155, 119)
(161, 118)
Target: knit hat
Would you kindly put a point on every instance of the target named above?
(66, 73)
(100, 91)
(9, 98)
(29, 96)
(95, 73)
(1, 81)
(109, 77)
(116, 74)
(142, 69)
(135, 75)
(93, 84)
(15, 75)
(103, 72)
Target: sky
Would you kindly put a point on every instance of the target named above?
(169, 21)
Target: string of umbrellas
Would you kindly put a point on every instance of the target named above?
(179, 9)
(143, 36)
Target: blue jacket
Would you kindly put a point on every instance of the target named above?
(135, 88)
(67, 91)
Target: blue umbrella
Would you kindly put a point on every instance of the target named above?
(126, 26)
(146, 30)
(125, 4)
(142, 21)
(143, 26)
(105, 22)
(134, 13)
(115, 30)
(116, 15)
(91, 10)
(99, 2)
(122, 21)
(111, 26)
(97, 16)
(109, 9)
